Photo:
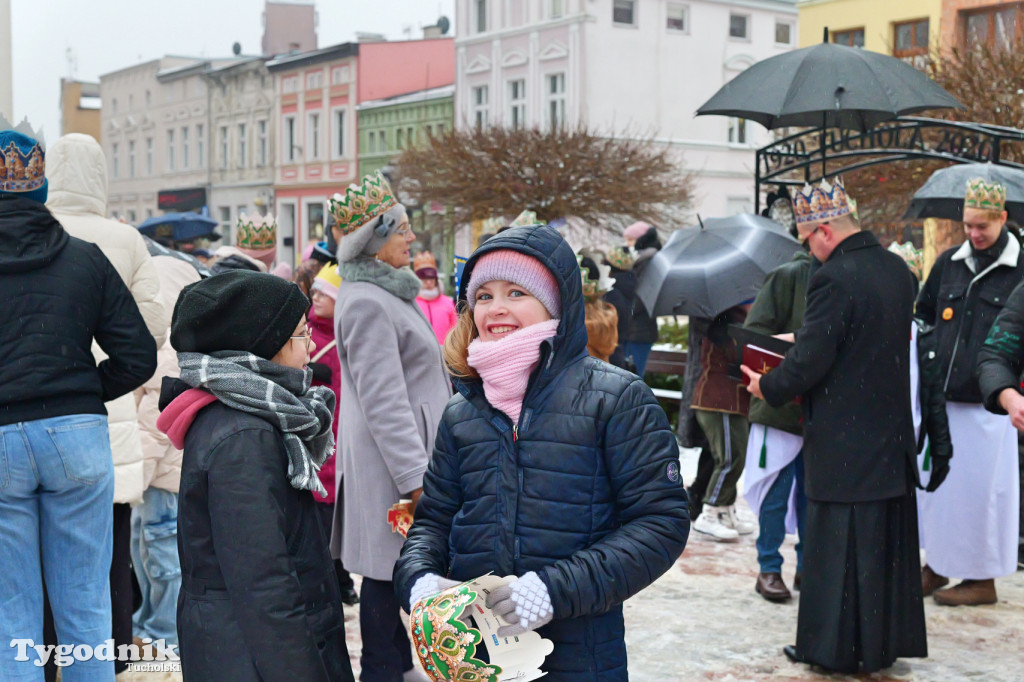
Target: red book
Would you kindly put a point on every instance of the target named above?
(760, 360)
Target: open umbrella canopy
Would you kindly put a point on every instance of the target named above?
(828, 85)
(179, 227)
(942, 196)
(706, 270)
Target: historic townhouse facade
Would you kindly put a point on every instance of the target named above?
(243, 141)
(625, 67)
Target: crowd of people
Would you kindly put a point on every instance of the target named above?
(202, 455)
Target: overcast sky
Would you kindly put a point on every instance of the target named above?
(106, 35)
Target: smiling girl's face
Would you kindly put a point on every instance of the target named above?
(503, 308)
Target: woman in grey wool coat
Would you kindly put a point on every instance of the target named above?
(393, 391)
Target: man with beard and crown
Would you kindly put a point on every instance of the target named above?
(969, 525)
(861, 605)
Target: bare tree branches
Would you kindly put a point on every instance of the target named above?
(558, 173)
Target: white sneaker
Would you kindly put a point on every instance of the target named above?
(738, 522)
(712, 521)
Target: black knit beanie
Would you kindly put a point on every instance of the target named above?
(237, 310)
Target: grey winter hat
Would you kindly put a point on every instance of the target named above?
(369, 238)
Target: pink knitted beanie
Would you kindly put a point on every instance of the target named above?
(526, 271)
(636, 230)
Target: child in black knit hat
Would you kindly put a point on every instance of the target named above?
(259, 592)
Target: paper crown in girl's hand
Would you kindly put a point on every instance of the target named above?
(451, 630)
(362, 202)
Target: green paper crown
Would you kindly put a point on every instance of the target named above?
(257, 233)
(362, 203)
(445, 645)
(981, 194)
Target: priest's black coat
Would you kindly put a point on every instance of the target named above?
(851, 364)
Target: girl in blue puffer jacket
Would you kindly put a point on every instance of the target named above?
(549, 465)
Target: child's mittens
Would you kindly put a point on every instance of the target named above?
(524, 603)
(428, 585)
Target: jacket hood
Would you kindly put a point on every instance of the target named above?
(30, 237)
(546, 245)
(176, 418)
(77, 173)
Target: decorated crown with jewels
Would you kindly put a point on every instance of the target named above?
(820, 204)
(362, 203)
(595, 288)
(256, 233)
(983, 195)
(22, 158)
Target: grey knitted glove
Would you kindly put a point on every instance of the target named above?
(523, 603)
(427, 586)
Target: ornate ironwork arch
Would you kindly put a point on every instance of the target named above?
(813, 154)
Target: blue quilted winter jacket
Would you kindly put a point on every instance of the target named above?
(589, 494)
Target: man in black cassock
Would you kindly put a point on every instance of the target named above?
(860, 603)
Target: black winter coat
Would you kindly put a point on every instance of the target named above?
(973, 301)
(588, 493)
(59, 293)
(1001, 358)
(622, 295)
(851, 364)
(259, 598)
(642, 327)
(934, 420)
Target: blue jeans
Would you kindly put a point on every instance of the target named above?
(56, 523)
(772, 519)
(155, 556)
(640, 352)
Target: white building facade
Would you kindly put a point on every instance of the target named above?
(639, 67)
(243, 151)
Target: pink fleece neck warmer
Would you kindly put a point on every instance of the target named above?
(505, 365)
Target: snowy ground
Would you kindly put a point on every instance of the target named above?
(703, 621)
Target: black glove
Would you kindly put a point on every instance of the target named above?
(321, 372)
(940, 468)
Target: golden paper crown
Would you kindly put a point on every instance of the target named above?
(424, 259)
(595, 288)
(822, 203)
(621, 258)
(22, 157)
(988, 197)
(256, 233)
(362, 203)
(445, 645)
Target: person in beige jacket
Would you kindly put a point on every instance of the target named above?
(77, 173)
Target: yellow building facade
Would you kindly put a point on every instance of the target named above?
(896, 27)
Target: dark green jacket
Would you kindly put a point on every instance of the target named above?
(779, 309)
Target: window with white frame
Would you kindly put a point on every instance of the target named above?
(481, 107)
(184, 148)
(383, 140)
(517, 103)
(737, 130)
(149, 156)
(336, 78)
(170, 150)
(289, 84)
(783, 32)
(410, 136)
(556, 9)
(338, 134)
(131, 158)
(225, 219)
(223, 146)
(371, 144)
(314, 80)
(739, 26)
(200, 145)
(313, 135)
(243, 147)
(479, 17)
(554, 94)
(115, 154)
(676, 18)
(624, 12)
(261, 142)
(399, 139)
(131, 216)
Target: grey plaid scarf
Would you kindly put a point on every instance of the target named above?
(279, 394)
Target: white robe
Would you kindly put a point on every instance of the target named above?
(969, 526)
(781, 448)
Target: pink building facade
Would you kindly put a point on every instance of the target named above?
(315, 100)
(639, 67)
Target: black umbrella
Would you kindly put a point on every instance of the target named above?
(828, 85)
(705, 270)
(943, 195)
